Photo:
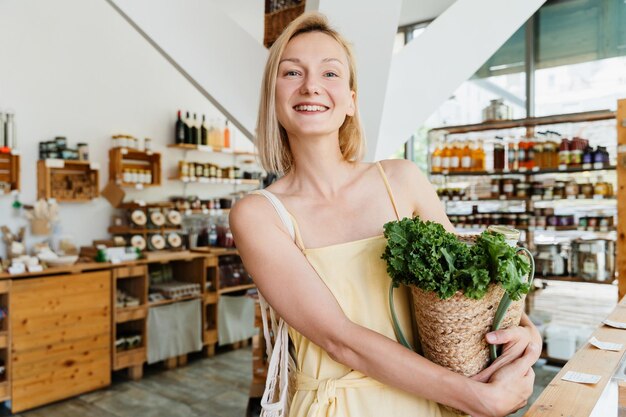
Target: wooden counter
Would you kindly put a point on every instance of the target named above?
(562, 398)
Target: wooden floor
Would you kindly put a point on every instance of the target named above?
(215, 387)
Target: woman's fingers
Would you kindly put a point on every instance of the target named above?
(500, 337)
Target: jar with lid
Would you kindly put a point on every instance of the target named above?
(601, 188)
(552, 220)
(498, 154)
(571, 189)
(487, 219)
(523, 220)
(183, 167)
(536, 189)
(126, 176)
(199, 170)
(148, 176)
(587, 189)
(147, 144)
(510, 219)
(496, 218)
(548, 192)
(522, 190)
(495, 187)
(508, 187)
(559, 190)
(564, 152)
(462, 221)
(83, 152)
(541, 221)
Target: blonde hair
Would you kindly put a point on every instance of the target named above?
(274, 151)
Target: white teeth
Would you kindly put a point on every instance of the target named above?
(310, 108)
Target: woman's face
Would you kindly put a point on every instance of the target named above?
(313, 95)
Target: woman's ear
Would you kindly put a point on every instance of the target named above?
(352, 106)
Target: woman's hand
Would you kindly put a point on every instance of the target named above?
(515, 340)
(508, 388)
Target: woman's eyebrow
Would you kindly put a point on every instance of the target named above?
(297, 61)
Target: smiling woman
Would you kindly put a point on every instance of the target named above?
(323, 275)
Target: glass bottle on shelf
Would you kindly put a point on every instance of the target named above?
(512, 162)
(564, 152)
(530, 153)
(538, 151)
(188, 125)
(455, 157)
(478, 156)
(601, 189)
(226, 135)
(466, 157)
(204, 132)
(498, 154)
(446, 153)
(521, 154)
(435, 160)
(180, 129)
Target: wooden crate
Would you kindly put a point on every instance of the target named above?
(61, 337)
(9, 172)
(123, 158)
(67, 181)
(133, 280)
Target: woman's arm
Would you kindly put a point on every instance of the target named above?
(295, 291)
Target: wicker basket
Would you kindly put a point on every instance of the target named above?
(277, 21)
(452, 332)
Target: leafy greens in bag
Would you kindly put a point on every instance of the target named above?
(425, 255)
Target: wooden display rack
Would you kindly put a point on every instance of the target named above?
(133, 280)
(53, 176)
(10, 171)
(124, 158)
(5, 346)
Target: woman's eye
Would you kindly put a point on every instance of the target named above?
(292, 73)
(330, 74)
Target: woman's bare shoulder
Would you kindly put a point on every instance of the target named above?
(402, 172)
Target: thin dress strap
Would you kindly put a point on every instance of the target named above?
(287, 218)
(393, 200)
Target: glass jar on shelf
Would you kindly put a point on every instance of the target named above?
(587, 189)
(571, 188)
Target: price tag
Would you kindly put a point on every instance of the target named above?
(35, 268)
(205, 148)
(55, 163)
(562, 167)
(604, 228)
(17, 269)
(615, 324)
(116, 260)
(581, 378)
(606, 345)
(522, 169)
(124, 151)
(490, 171)
(587, 166)
(139, 186)
(140, 203)
(94, 165)
(598, 165)
(536, 169)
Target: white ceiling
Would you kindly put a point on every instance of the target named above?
(414, 11)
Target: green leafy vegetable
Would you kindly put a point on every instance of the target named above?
(424, 254)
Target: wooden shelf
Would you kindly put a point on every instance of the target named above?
(570, 170)
(518, 199)
(124, 314)
(209, 149)
(127, 230)
(209, 337)
(215, 181)
(530, 122)
(5, 389)
(236, 288)
(127, 358)
(573, 279)
(9, 172)
(125, 158)
(54, 174)
(172, 301)
(217, 251)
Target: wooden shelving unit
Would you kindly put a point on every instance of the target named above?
(530, 122)
(569, 170)
(5, 344)
(236, 288)
(67, 180)
(216, 181)
(620, 263)
(209, 149)
(133, 281)
(124, 158)
(572, 279)
(9, 172)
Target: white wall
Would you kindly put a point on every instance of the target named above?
(76, 68)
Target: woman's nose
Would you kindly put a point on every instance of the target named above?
(309, 86)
